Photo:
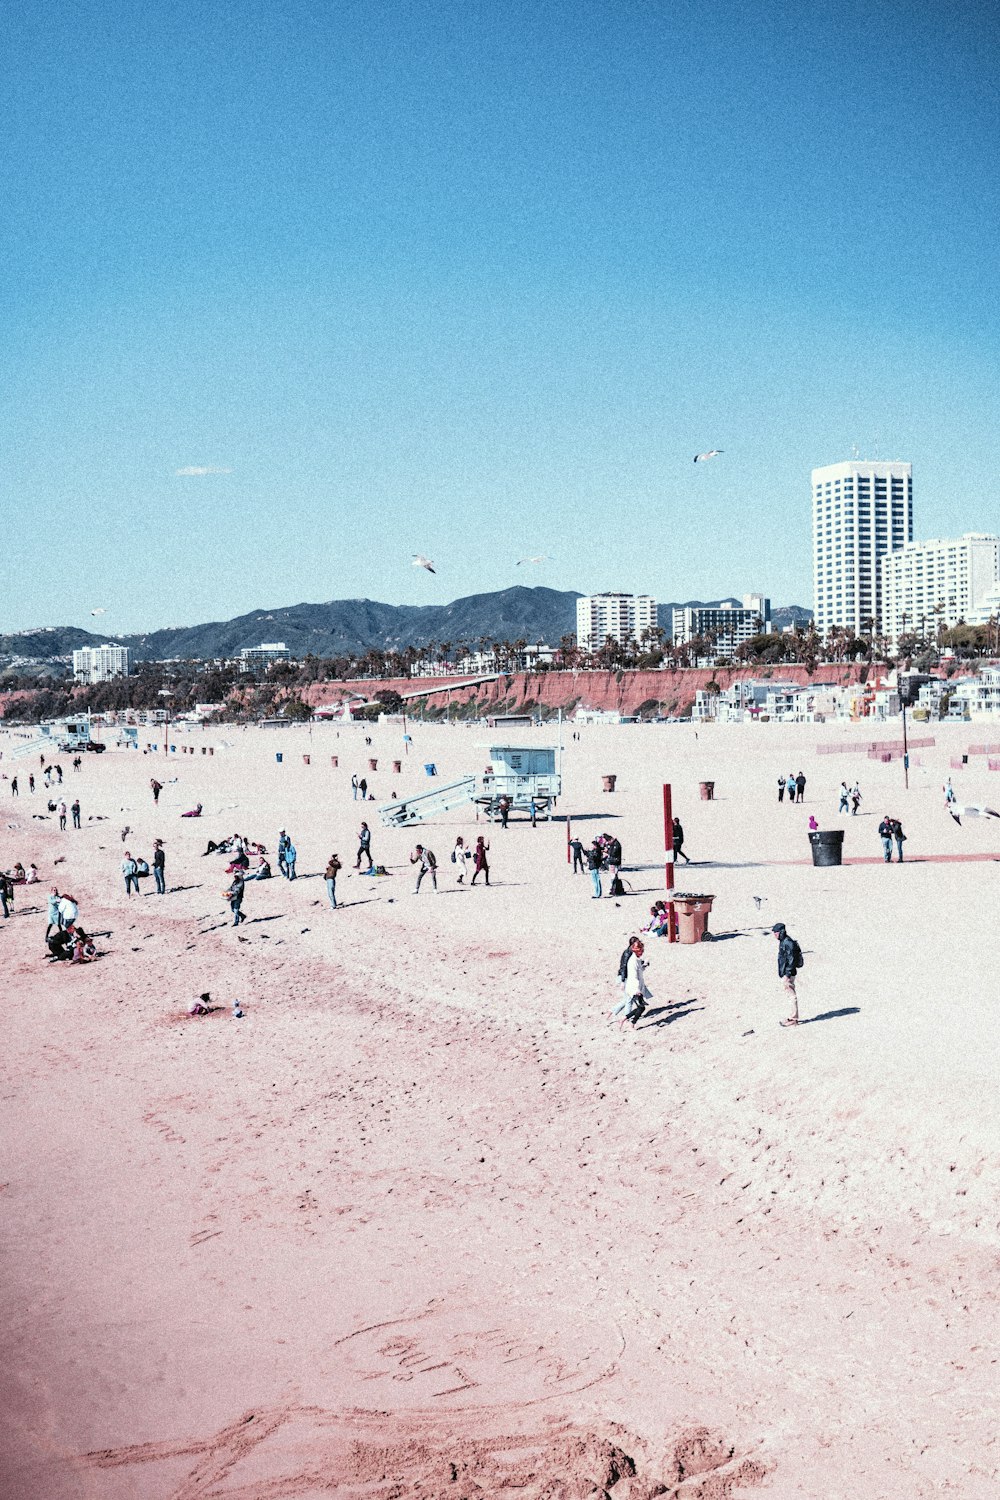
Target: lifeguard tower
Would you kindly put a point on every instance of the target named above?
(523, 773)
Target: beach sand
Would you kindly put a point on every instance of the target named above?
(422, 1223)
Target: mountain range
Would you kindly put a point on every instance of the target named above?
(349, 627)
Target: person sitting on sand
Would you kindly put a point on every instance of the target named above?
(17, 875)
(32, 877)
(61, 943)
(194, 813)
(262, 872)
(84, 948)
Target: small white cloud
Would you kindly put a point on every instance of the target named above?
(197, 470)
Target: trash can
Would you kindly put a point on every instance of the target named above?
(692, 917)
(305, 760)
(431, 769)
(609, 782)
(397, 766)
(335, 760)
(373, 764)
(827, 846)
(707, 791)
(278, 756)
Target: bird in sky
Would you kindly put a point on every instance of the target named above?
(423, 562)
(977, 810)
(701, 458)
(98, 611)
(543, 558)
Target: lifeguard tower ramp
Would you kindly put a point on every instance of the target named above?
(430, 804)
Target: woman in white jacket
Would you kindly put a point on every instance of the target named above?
(633, 1002)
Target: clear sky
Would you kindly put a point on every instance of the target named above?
(478, 281)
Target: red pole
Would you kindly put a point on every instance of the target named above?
(569, 855)
(668, 856)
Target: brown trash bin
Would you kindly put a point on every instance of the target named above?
(373, 764)
(609, 782)
(707, 791)
(305, 760)
(335, 760)
(397, 766)
(692, 917)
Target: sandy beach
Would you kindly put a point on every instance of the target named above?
(421, 1222)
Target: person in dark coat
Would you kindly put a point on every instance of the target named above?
(677, 839)
(789, 963)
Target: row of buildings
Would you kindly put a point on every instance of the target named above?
(974, 696)
(104, 663)
(869, 575)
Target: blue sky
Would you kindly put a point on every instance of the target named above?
(478, 281)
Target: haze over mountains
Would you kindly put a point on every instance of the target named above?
(350, 627)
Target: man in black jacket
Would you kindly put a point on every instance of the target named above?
(789, 962)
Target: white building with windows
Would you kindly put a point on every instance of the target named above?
(256, 658)
(100, 663)
(939, 582)
(730, 624)
(618, 617)
(860, 512)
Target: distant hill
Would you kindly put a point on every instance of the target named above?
(347, 627)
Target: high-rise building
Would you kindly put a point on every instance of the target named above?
(927, 584)
(100, 663)
(861, 511)
(254, 658)
(728, 623)
(619, 617)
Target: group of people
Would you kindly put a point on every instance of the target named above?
(462, 856)
(849, 797)
(794, 785)
(135, 868)
(605, 853)
(64, 935)
(890, 831)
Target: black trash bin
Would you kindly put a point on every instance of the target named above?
(827, 846)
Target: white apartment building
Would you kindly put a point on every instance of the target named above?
(730, 624)
(860, 512)
(619, 617)
(100, 663)
(253, 657)
(938, 582)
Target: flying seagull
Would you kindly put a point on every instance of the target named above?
(423, 562)
(98, 611)
(977, 810)
(542, 559)
(701, 458)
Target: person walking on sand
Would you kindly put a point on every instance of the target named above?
(613, 855)
(428, 866)
(949, 793)
(131, 872)
(595, 859)
(234, 896)
(632, 1006)
(62, 810)
(291, 855)
(789, 963)
(333, 869)
(52, 913)
(782, 783)
(885, 834)
(364, 847)
(576, 846)
(899, 836)
(677, 841)
(157, 789)
(7, 897)
(855, 799)
(800, 787)
(283, 843)
(75, 810)
(481, 862)
(790, 787)
(460, 856)
(13, 786)
(363, 788)
(159, 867)
(504, 807)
